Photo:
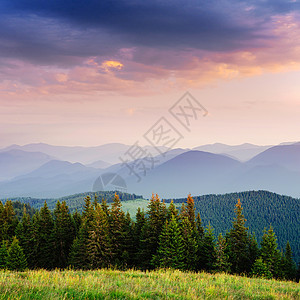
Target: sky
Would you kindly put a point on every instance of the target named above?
(93, 72)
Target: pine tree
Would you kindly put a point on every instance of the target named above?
(190, 245)
(222, 263)
(290, 267)
(8, 221)
(191, 211)
(16, 260)
(270, 253)
(199, 227)
(99, 242)
(199, 234)
(117, 223)
(64, 234)
(253, 250)
(95, 200)
(172, 211)
(260, 269)
(105, 206)
(170, 253)
(238, 243)
(157, 214)
(138, 236)
(183, 212)
(208, 250)
(25, 233)
(79, 252)
(44, 226)
(76, 217)
(3, 255)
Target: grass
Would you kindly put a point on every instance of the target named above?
(131, 206)
(110, 284)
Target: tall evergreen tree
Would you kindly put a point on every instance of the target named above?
(79, 252)
(117, 223)
(183, 212)
(64, 234)
(157, 214)
(222, 263)
(191, 210)
(8, 221)
(170, 253)
(238, 242)
(260, 269)
(190, 246)
(76, 217)
(99, 242)
(138, 236)
(45, 238)
(16, 260)
(208, 250)
(199, 234)
(172, 211)
(270, 253)
(3, 255)
(128, 240)
(199, 227)
(25, 233)
(290, 268)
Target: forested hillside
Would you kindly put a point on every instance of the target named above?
(261, 209)
(162, 237)
(76, 201)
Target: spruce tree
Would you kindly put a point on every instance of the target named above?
(208, 250)
(76, 217)
(79, 252)
(199, 227)
(16, 260)
(170, 253)
(290, 267)
(129, 246)
(138, 236)
(260, 269)
(45, 238)
(25, 233)
(8, 221)
(3, 255)
(105, 206)
(116, 224)
(157, 214)
(99, 241)
(238, 243)
(64, 234)
(270, 253)
(191, 210)
(190, 245)
(183, 212)
(222, 263)
(172, 210)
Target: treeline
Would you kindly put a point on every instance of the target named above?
(261, 208)
(162, 237)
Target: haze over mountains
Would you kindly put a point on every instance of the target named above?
(41, 170)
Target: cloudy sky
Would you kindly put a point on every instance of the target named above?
(90, 72)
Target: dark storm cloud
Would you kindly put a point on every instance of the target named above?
(49, 31)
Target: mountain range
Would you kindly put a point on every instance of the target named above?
(41, 170)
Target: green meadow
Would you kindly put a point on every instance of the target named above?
(131, 284)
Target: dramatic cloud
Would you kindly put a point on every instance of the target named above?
(84, 46)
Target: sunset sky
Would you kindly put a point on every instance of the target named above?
(93, 72)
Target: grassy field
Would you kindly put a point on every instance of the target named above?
(109, 284)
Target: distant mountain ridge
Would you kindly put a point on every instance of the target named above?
(173, 174)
